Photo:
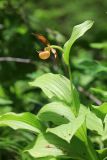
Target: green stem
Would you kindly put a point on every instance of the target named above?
(91, 150)
(72, 91)
(74, 107)
(57, 47)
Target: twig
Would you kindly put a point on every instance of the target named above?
(89, 95)
(13, 59)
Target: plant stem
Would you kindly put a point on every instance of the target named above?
(57, 47)
(91, 150)
(72, 91)
(74, 104)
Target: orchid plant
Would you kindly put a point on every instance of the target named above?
(66, 137)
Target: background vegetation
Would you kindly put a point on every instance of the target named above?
(54, 19)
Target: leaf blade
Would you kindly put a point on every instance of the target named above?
(77, 32)
(21, 121)
(67, 131)
(56, 112)
(54, 85)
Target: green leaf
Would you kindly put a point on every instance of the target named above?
(44, 146)
(67, 131)
(56, 112)
(54, 85)
(77, 32)
(102, 153)
(99, 91)
(101, 45)
(104, 137)
(91, 67)
(21, 121)
(82, 133)
(101, 110)
(93, 123)
(51, 145)
(5, 101)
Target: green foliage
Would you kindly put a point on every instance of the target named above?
(91, 67)
(21, 121)
(61, 129)
(60, 116)
(56, 86)
(55, 19)
(77, 32)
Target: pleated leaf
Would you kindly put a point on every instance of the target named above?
(54, 85)
(101, 110)
(48, 145)
(56, 112)
(21, 121)
(93, 122)
(43, 147)
(77, 32)
(67, 131)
